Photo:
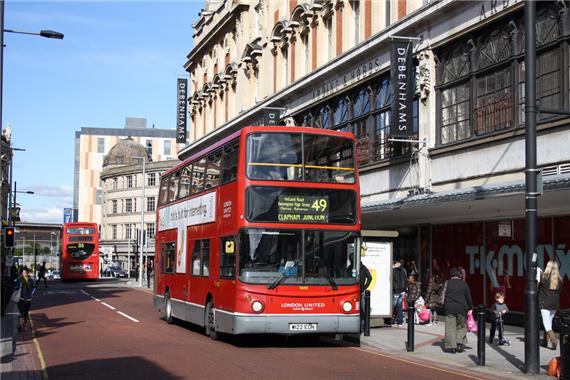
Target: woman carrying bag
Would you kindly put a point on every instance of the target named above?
(25, 285)
(457, 303)
(549, 300)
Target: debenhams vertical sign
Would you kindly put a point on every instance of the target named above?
(181, 94)
(401, 78)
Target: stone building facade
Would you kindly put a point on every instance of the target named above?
(455, 196)
(122, 201)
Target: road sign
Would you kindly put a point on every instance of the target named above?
(67, 215)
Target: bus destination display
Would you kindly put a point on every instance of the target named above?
(303, 208)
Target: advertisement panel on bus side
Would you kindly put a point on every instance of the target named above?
(191, 212)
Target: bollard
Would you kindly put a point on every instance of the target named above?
(367, 313)
(411, 311)
(481, 335)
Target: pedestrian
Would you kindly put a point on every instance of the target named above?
(498, 310)
(398, 292)
(25, 285)
(457, 303)
(148, 271)
(433, 296)
(42, 274)
(549, 300)
(365, 280)
(414, 290)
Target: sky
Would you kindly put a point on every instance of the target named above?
(117, 59)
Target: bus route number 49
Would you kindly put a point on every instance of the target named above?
(303, 326)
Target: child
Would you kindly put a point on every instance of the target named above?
(498, 309)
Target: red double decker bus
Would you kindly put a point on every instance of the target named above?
(260, 233)
(80, 251)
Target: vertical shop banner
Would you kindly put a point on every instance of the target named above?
(67, 215)
(401, 72)
(181, 95)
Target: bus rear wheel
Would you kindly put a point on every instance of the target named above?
(210, 321)
(167, 309)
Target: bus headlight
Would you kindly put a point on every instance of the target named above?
(347, 306)
(257, 306)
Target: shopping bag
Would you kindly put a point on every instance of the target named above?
(554, 367)
(15, 297)
(471, 323)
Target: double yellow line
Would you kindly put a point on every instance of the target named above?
(40, 353)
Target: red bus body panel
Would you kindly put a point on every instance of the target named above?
(77, 269)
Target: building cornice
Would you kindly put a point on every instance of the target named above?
(228, 21)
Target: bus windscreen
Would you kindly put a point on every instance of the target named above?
(300, 157)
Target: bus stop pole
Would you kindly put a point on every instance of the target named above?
(367, 313)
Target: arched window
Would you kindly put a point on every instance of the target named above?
(308, 120)
(340, 114)
(323, 118)
(383, 94)
(361, 103)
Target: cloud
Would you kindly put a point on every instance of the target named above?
(52, 191)
(42, 215)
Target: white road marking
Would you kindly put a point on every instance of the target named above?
(109, 306)
(126, 316)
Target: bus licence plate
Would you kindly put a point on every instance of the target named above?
(302, 326)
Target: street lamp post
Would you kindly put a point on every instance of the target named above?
(10, 182)
(531, 353)
(141, 241)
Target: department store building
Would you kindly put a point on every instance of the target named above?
(454, 197)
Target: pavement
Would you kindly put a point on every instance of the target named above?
(500, 361)
(21, 359)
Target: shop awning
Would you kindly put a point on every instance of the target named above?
(493, 201)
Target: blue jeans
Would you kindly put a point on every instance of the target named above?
(397, 305)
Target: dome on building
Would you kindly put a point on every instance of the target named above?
(124, 151)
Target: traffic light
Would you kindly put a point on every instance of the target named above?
(9, 237)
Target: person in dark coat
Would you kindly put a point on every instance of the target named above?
(549, 299)
(399, 287)
(26, 285)
(457, 303)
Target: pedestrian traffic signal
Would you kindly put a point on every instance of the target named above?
(9, 237)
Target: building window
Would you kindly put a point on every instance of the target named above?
(306, 52)
(114, 203)
(114, 231)
(228, 257)
(149, 147)
(128, 205)
(151, 179)
(150, 230)
(356, 21)
(115, 184)
(168, 255)
(366, 113)
(330, 37)
(167, 147)
(100, 145)
(129, 181)
(201, 258)
(151, 204)
(128, 231)
(479, 78)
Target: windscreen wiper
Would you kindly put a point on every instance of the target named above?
(278, 281)
(331, 281)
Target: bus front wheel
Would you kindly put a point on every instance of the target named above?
(210, 322)
(167, 309)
